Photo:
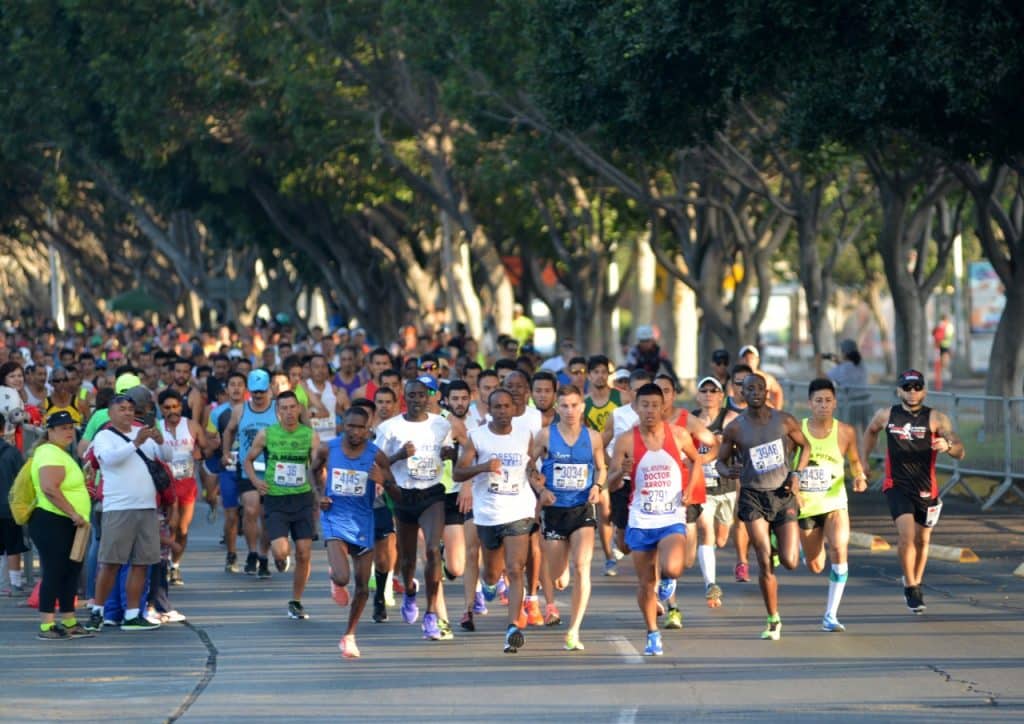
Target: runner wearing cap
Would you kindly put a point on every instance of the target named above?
(247, 419)
(915, 435)
(823, 513)
(750, 356)
(720, 365)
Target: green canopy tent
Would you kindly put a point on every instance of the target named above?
(136, 301)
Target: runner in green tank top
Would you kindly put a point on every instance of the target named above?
(823, 513)
(290, 503)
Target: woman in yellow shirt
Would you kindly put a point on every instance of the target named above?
(62, 506)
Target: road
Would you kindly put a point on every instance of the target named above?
(240, 657)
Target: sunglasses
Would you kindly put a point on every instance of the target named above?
(913, 387)
(578, 371)
(428, 367)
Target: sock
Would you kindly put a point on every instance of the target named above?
(131, 613)
(16, 578)
(46, 626)
(382, 581)
(175, 565)
(70, 622)
(836, 583)
(706, 558)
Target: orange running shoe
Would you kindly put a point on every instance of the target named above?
(551, 615)
(533, 614)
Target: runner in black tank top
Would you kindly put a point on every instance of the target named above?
(915, 435)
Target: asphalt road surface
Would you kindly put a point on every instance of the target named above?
(241, 657)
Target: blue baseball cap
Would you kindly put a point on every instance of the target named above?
(258, 381)
(429, 382)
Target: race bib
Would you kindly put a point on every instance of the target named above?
(767, 457)
(423, 467)
(499, 484)
(815, 479)
(659, 502)
(233, 460)
(932, 517)
(259, 465)
(348, 482)
(181, 469)
(289, 475)
(323, 426)
(567, 476)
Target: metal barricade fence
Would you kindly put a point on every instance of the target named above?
(992, 429)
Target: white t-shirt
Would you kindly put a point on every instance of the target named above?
(424, 468)
(127, 484)
(554, 364)
(504, 497)
(325, 427)
(624, 419)
(532, 421)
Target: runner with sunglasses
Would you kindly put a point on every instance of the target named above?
(915, 435)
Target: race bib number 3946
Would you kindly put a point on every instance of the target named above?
(768, 456)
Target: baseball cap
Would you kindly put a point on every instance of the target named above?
(234, 353)
(620, 374)
(59, 418)
(644, 333)
(720, 356)
(847, 346)
(712, 380)
(429, 382)
(908, 377)
(126, 381)
(121, 397)
(748, 348)
(258, 381)
(139, 395)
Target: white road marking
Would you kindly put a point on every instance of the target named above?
(628, 716)
(626, 650)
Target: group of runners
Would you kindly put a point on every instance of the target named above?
(511, 477)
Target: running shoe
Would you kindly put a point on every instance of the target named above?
(95, 622)
(551, 615)
(111, 623)
(666, 587)
(339, 594)
(479, 605)
(524, 617)
(467, 622)
(772, 630)
(742, 575)
(264, 571)
(410, 611)
(674, 619)
(431, 629)
(514, 639)
(172, 617)
(252, 563)
(283, 564)
(54, 633)
(713, 594)
(832, 625)
(380, 612)
(617, 554)
(653, 647)
(139, 623)
(296, 611)
(78, 632)
(153, 617)
(488, 593)
(610, 567)
(174, 577)
(533, 615)
(231, 563)
(572, 642)
(347, 646)
(446, 630)
(915, 599)
(502, 591)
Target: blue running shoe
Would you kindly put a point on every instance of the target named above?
(666, 587)
(653, 647)
(488, 593)
(410, 611)
(479, 607)
(431, 628)
(832, 625)
(514, 640)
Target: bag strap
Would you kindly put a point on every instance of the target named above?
(124, 437)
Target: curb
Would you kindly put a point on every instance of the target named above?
(1019, 571)
(869, 541)
(952, 553)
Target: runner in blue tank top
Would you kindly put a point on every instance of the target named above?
(355, 467)
(574, 474)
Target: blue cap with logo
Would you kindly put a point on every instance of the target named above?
(258, 381)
